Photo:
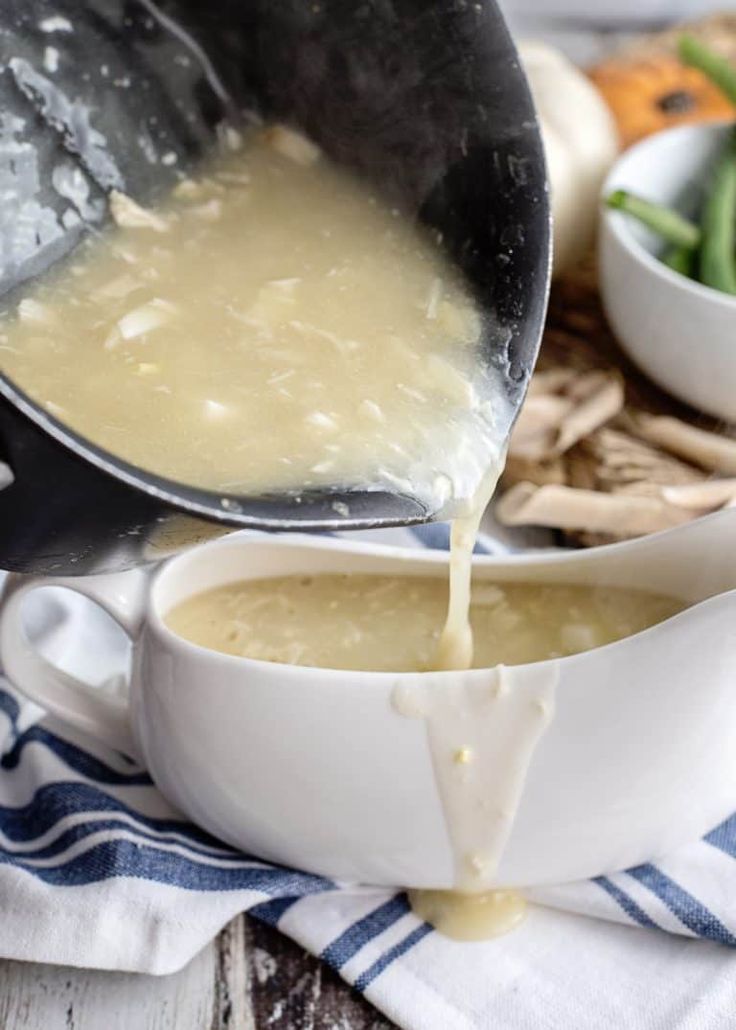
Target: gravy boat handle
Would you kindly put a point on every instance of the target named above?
(76, 703)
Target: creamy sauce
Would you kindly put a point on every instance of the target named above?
(393, 624)
(272, 326)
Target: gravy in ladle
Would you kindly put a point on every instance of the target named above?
(271, 326)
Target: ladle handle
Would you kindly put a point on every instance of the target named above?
(75, 702)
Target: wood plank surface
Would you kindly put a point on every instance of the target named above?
(250, 978)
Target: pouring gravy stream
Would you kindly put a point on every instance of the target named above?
(482, 738)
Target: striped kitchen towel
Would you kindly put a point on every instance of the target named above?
(97, 870)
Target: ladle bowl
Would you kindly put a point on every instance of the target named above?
(425, 100)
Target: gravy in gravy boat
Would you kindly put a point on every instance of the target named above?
(272, 326)
(373, 623)
(481, 737)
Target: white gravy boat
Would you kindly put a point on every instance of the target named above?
(317, 769)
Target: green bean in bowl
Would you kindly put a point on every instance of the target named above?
(666, 262)
(702, 243)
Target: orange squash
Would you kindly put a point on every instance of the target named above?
(647, 94)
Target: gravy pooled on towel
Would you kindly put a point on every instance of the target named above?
(393, 623)
(272, 326)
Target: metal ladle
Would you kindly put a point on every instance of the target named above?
(426, 100)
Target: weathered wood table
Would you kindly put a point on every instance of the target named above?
(250, 978)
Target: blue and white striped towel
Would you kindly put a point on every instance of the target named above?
(97, 870)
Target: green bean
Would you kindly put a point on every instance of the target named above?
(718, 69)
(717, 262)
(680, 259)
(668, 224)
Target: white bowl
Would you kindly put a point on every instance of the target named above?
(681, 333)
(318, 769)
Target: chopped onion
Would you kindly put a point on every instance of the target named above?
(214, 410)
(209, 212)
(435, 296)
(371, 410)
(451, 382)
(129, 215)
(292, 144)
(116, 288)
(321, 420)
(229, 137)
(31, 311)
(284, 284)
(55, 409)
(146, 318)
(113, 339)
(488, 594)
(188, 188)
